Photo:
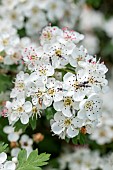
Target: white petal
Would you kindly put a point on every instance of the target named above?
(77, 122)
(72, 132)
(59, 116)
(13, 137)
(27, 106)
(3, 157)
(92, 115)
(81, 114)
(67, 112)
(14, 152)
(9, 165)
(24, 118)
(56, 128)
(8, 129)
(58, 105)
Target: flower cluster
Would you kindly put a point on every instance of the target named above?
(5, 164)
(75, 97)
(18, 141)
(11, 44)
(104, 132)
(83, 159)
(24, 13)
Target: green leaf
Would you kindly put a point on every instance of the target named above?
(82, 138)
(18, 125)
(50, 111)
(3, 147)
(42, 158)
(22, 156)
(33, 162)
(67, 140)
(32, 156)
(75, 140)
(5, 82)
(33, 122)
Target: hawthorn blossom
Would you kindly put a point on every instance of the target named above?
(90, 108)
(66, 126)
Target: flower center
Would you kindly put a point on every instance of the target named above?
(67, 102)
(67, 122)
(39, 94)
(25, 144)
(34, 110)
(75, 85)
(88, 105)
(13, 16)
(91, 80)
(5, 41)
(53, 6)
(20, 109)
(42, 71)
(51, 91)
(35, 10)
(79, 58)
(48, 35)
(20, 85)
(58, 53)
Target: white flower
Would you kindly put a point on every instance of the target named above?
(67, 105)
(74, 87)
(91, 19)
(12, 135)
(16, 17)
(90, 108)
(3, 157)
(54, 89)
(20, 84)
(26, 143)
(108, 27)
(59, 53)
(91, 42)
(4, 164)
(50, 35)
(65, 126)
(35, 24)
(19, 109)
(55, 10)
(31, 57)
(8, 42)
(72, 36)
(78, 55)
(71, 14)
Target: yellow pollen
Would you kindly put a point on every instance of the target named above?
(34, 110)
(51, 91)
(35, 10)
(43, 71)
(48, 35)
(5, 41)
(53, 6)
(20, 85)
(20, 109)
(102, 134)
(13, 16)
(75, 85)
(91, 80)
(79, 58)
(39, 93)
(67, 102)
(88, 105)
(58, 52)
(67, 122)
